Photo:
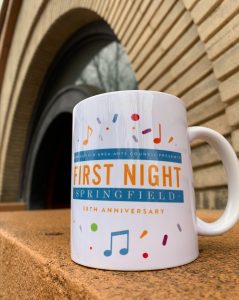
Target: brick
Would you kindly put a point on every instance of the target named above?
(145, 5)
(107, 8)
(218, 18)
(161, 14)
(136, 21)
(113, 10)
(189, 3)
(204, 155)
(188, 59)
(101, 8)
(219, 124)
(120, 8)
(140, 43)
(229, 88)
(227, 63)
(180, 27)
(164, 46)
(123, 16)
(193, 75)
(204, 88)
(162, 83)
(203, 8)
(210, 177)
(162, 67)
(211, 198)
(23, 25)
(232, 113)
(235, 140)
(95, 5)
(206, 109)
(143, 23)
(222, 40)
(128, 20)
(144, 60)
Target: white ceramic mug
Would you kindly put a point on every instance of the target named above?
(133, 203)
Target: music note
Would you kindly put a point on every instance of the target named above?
(89, 133)
(157, 140)
(123, 251)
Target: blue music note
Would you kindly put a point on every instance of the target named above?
(122, 251)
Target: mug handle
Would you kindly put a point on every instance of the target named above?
(231, 165)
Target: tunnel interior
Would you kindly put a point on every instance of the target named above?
(52, 171)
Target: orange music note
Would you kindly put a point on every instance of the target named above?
(89, 133)
(157, 140)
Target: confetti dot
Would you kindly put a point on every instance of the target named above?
(94, 227)
(145, 255)
(135, 117)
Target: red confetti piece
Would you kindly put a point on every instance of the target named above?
(135, 117)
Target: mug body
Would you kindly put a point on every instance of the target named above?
(133, 204)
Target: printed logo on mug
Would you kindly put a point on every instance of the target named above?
(133, 203)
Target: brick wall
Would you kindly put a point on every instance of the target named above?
(186, 47)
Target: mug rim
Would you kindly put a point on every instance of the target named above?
(130, 91)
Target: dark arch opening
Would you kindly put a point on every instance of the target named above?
(52, 169)
(92, 61)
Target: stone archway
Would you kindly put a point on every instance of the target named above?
(35, 63)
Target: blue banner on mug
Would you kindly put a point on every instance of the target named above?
(128, 153)
(126, 194)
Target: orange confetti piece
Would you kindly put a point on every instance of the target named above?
(170, 139)
(143, 234)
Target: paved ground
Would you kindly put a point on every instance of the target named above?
(35, 264)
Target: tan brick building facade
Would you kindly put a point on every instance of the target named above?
(188, 48)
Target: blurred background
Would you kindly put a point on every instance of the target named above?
(55, 53)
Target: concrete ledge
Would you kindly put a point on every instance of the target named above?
(35, 264)
(13, 206)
